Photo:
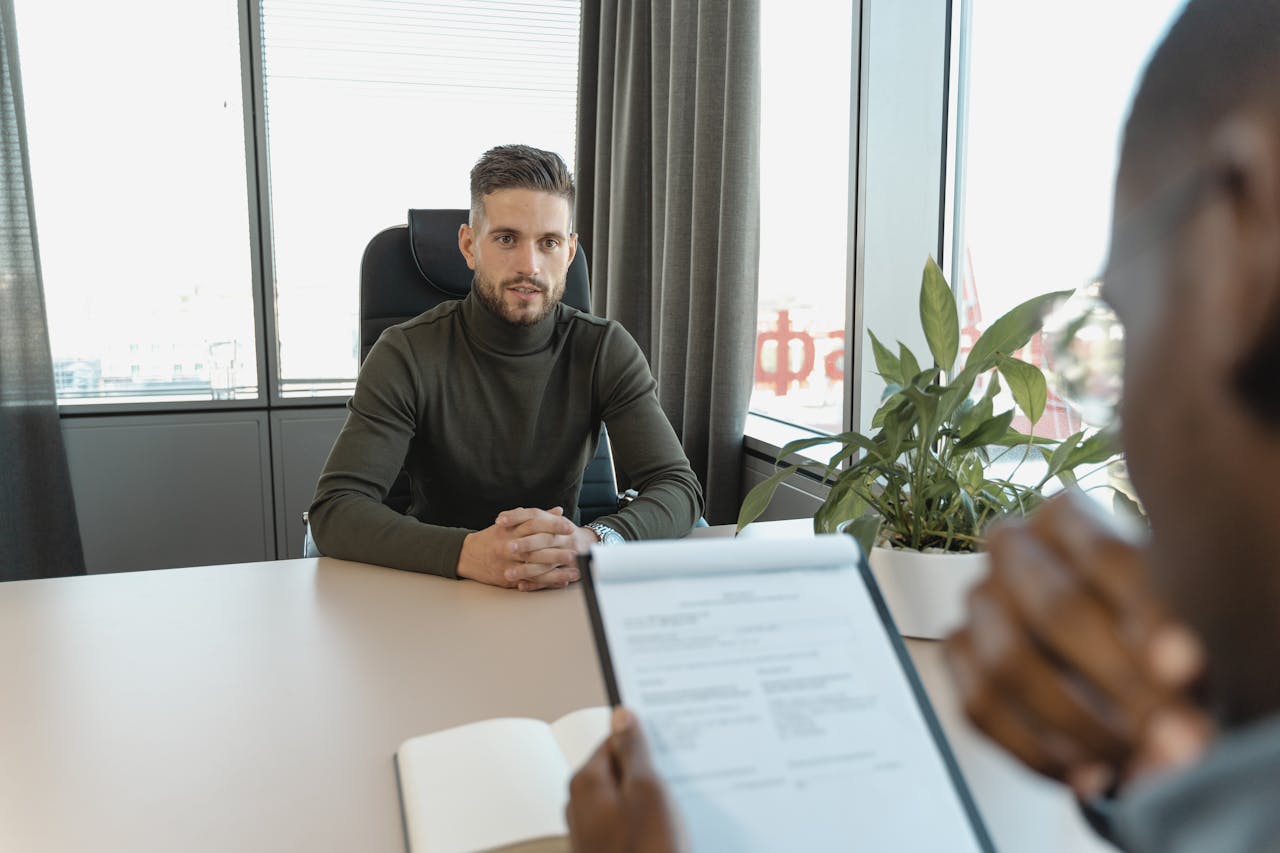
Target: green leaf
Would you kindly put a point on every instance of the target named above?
(927, 378)
(758, 499)
(864, 530)
(971, 470)
(1028, 500)
(910, 366)
(1011, 332)
(982, 410)
(1018, 439)
(943, 486)
(995, 494)
(970, 509)
(1094, 450)
(793, 447)
(842, 504)
(887, 364)
(1063, 452)
(1027, 385)
(939, 317)
(951, 399)
(988, 432)
(889, 405)
(897, 424)
(926, 406)
(853, 442)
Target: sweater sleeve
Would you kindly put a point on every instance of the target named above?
(644, 445)
(347, 516)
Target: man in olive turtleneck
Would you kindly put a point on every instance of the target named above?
(493, 403)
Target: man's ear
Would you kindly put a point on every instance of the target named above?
(467, 244)
(1246, 156)
(573, 248)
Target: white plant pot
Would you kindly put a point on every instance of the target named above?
(926, 592)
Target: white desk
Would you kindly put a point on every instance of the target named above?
(256, 707)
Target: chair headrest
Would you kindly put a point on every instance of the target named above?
(433, 240)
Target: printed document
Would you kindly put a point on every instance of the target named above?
(779, 710)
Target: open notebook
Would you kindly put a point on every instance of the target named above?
(781, 706)
(495, 785)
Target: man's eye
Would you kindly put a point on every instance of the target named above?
(550, 243)
(506, 239)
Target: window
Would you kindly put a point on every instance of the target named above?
(804, 217)
(377, 107)
(142, 183)
(1045, 100)
(136, 132)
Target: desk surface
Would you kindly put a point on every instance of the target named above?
(257, 706)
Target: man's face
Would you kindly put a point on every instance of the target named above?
(1176, 280)
(520, 250)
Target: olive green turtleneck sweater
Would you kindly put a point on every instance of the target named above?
(486, 416)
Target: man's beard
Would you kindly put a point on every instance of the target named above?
(492, 296)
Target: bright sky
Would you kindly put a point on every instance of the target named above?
(1049, 89)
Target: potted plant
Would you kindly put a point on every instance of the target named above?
(918, 492)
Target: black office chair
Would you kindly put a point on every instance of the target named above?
(410, 269)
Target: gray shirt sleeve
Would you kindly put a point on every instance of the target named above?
(348, 519)
(644, 446)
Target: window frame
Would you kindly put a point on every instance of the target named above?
(246, 11)
(270, 394)
(763, 432)
(873, 194)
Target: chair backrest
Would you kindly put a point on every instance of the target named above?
(408, 269)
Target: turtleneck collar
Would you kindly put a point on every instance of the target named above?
(495, 333)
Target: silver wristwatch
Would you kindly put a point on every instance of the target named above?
(608, 536)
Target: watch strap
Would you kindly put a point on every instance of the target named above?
(608, 536)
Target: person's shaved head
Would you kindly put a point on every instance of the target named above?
(1219, 56)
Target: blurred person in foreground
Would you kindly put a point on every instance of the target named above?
(1141, 672)
(1138, 672)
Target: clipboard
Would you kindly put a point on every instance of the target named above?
(616, 578)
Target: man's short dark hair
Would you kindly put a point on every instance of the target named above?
(1220, 57)
(519, 167)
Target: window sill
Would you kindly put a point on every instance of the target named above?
(765, 436)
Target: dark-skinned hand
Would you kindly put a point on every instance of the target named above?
(617, 803)
(1068, 659)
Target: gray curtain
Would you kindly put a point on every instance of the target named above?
(668, 207)
(39, 536)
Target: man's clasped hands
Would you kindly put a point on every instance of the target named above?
(526, 549)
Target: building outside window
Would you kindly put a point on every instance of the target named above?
(135, 130)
